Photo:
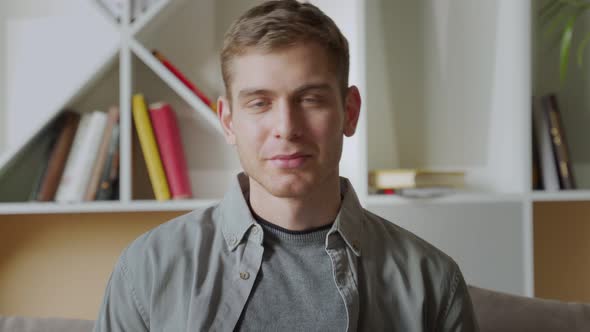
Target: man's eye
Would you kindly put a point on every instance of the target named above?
(258, 103)
(310, 100)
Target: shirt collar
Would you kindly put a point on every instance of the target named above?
(237, 218)
(349, 220)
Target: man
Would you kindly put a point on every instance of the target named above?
(289, 248)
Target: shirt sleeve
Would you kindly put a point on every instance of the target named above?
(121, 310)
(459, 314)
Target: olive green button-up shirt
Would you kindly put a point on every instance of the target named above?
(196, 272)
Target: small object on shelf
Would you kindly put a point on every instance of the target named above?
(184, 80)
(149, 148)
(171, 149)
(426, 192)
(415, 178)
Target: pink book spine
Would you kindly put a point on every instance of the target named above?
(171, 149)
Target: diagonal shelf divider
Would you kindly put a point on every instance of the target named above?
(99, 7)
(12, 152)
(146, 17)
(175, 84)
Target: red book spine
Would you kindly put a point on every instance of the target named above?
(171, 150)
(183, 79)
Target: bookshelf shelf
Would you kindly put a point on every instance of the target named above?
(102, 207)
(563, 195)
(461, 198)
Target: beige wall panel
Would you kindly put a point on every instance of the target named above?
(58, 265)
(562, 250)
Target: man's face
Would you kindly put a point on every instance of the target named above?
(288, 118)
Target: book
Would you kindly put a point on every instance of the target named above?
(548, 170)
(536, 179)
(82, 156)
(108, 182)
(149, 148)
(48, 143)
(184, 80)
(68, 123)
(426, 192)
(561, 153)
(415, 178)
(171, 149)
(19, 175)
(100, 164)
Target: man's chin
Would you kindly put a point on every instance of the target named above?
(288, 186)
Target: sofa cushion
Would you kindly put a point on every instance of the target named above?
(26, 324)
(496, 311)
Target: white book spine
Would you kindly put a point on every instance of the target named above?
(82, 156)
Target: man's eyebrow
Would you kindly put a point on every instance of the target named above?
(255, 91)
(313, 86)
(299, 90)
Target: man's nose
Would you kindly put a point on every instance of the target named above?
(288, 121)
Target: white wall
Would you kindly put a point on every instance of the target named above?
(12, 9)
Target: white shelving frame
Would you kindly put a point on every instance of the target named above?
(129, 46)
(502, 181)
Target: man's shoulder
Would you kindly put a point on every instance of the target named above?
(394, 241)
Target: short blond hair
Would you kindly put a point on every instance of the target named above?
(278, 24)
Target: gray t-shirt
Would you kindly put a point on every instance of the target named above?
(295, 289)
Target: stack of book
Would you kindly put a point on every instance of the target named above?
(75, 159)
(416, 183)
(162, 148)
(552, 166)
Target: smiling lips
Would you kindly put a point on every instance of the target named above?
(290, 161)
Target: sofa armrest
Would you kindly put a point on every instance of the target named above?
(497, 311)
(26, 324)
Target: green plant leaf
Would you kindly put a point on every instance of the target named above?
(549, 8)
(584, 42)
(549, 12)
(556, 21)
(556, 12)
(581, 48)
(566, 43)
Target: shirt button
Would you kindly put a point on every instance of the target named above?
(255, 230)
(244, 275)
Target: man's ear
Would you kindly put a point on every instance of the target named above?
(352, 109)
(225, 118)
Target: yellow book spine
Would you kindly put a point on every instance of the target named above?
(149, 147)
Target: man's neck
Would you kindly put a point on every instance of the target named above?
(315, 209)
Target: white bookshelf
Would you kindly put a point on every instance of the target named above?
(444, 84)
(104, 207)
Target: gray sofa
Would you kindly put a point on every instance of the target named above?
(495, 312)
